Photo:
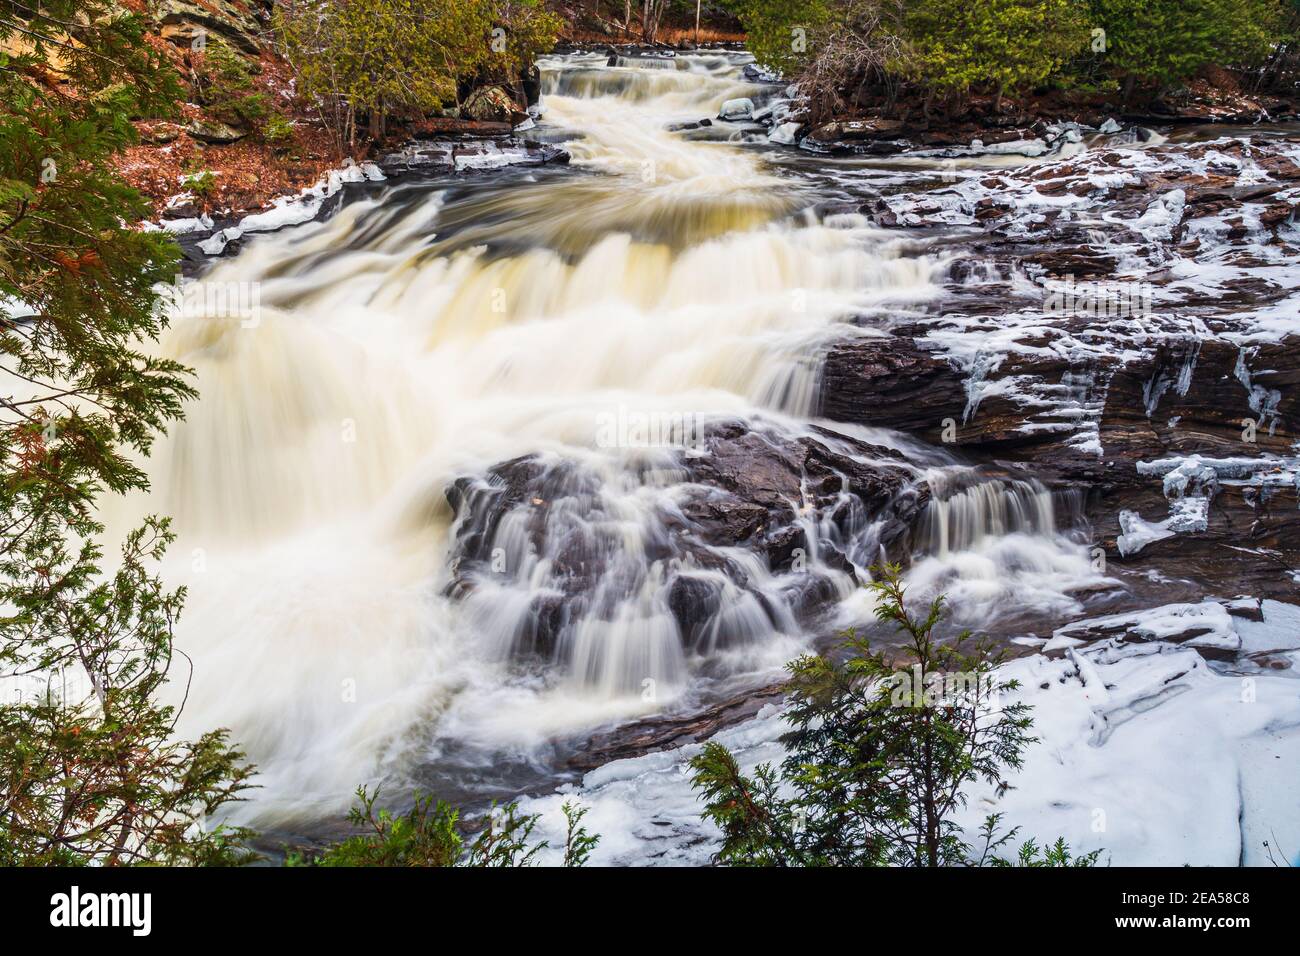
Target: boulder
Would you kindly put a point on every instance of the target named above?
(737, 109)
(160, 134)
(492, 104)
(214, 131)
(192, 23)
(785, 135)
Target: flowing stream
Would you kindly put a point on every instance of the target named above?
(431, 330)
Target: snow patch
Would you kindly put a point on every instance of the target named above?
(1145, 752)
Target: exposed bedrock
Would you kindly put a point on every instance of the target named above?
(1224, 414)
(1122, 320)
(757, 531)
(895, 381)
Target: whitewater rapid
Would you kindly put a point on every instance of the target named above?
(431, 331)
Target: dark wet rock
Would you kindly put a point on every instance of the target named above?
(682, 127)
(1188, 397)
(694, 600)
(1078, 261)
(531, 82)
(468, 154)
(745, 488)
(1184, 397)
(757, 74)
(757, 486)
(544, 625)
(633, 51)
(891, 382)
(855, 131)
(810, 592)
(856, 147)
(652, 734)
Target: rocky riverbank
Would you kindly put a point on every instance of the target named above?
(1117, 323)
(1141, 345)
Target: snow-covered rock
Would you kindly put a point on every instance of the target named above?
(1146, 752)
(737, 109)
(785, 134)
(1185, 514)
(292, 210)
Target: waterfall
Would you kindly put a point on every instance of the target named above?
(346, 621)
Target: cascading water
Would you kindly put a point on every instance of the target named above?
(346, 621)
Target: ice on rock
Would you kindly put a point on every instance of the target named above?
(1185, 514)
(180, 227)
(292, 210)
(1017, 147)
(1161, 216)
(773, 113)
(784, 135)
(737, 109)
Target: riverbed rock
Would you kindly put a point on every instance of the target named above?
(737, 109)
(892, 382)
(1051, 347)
(468, 153)
(851, 131)
(746, 489)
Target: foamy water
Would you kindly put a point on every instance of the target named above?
(429, 333)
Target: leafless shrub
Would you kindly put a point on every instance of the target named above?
(860, 48)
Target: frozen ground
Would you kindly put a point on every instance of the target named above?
(1145, 751)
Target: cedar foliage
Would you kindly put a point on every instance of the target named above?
(1158, 43)
(429, 834)
(226, 87)
(380, 58)
(94, 776)
(951, 48)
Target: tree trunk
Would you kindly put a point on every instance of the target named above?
(931, 820)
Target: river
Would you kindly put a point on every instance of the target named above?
(350, 625)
